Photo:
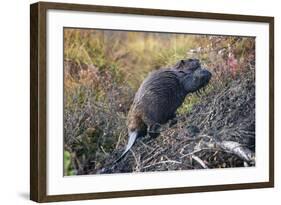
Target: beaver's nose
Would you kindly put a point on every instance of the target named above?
(207, 74)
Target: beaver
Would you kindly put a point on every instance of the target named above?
(160, 95)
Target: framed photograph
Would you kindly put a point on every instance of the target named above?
(135, 102)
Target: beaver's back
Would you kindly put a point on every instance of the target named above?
(158, 97)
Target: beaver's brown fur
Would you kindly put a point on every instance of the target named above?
(160, 95)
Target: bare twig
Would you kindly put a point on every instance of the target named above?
(162, 162)
(237, 149)
(196, 151)
(197, 159)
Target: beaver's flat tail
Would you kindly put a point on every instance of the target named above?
(132, 139)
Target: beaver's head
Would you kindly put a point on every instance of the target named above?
(194, 77)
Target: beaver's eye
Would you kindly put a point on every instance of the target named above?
(193, 68)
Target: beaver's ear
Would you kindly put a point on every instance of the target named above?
(179, 65)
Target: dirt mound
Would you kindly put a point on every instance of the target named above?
(218, 132)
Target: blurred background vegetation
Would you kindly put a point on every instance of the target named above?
(103, 69)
